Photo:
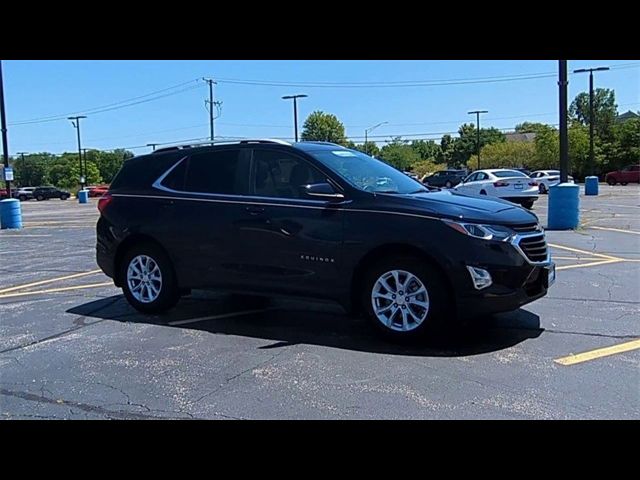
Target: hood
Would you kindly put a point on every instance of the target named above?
(454, 205)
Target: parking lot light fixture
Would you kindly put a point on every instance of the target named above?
(295, 110)
(366, 134)
(75, 121)
(592, 119)
(477, 114)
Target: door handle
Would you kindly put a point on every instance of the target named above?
(254, 210)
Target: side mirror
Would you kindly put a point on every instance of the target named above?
(322, 190)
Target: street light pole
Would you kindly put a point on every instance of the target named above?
(592, 119)
(564, 136)
(3, 126)
(75, 121)
(366, 135)
(295, 111)
(477, 113)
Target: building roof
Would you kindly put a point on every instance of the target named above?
(520, 137)
(626, 116)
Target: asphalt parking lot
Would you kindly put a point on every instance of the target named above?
(72, 348)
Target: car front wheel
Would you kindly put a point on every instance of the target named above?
(148, 279)
(404, 298)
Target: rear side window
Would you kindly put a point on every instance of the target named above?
(222, 171)
(281, 175)
(175, 179)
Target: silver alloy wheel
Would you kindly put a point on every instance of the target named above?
(400, 300)
(144, 278)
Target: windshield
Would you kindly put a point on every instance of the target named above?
(367, 173)
(508, 173)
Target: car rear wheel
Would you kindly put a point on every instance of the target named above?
(403, 297)
(64, 196)
(22, 198)
(40, 198)
(611, 181)
(542, 189)
(148, 280)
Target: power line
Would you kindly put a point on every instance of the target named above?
(114, 106)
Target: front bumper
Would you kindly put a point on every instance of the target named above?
(504, 298)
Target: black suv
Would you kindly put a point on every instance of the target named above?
(445, 178)
(46, 193)
(317, 220)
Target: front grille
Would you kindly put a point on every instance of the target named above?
(534, 247)
(525, 228)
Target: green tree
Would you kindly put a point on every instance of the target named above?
(64, 172)
(370, 148)
(466, 143)
(108, 163)
(605, 111)
(427, 149)
(446, 149)
(505, 154)
(323, 127)
(33, 170)
(399, 153)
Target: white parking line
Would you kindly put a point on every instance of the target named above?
(217, 317)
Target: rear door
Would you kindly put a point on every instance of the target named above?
(201, 213)
(290, 242)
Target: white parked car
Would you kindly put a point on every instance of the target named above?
(510, 185)
(547, 178)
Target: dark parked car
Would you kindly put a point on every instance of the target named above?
(313, 219)
(445, 178)
(630, 174)
(46, 193)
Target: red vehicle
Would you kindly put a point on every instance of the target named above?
(3, 193)
(628, 174)
(98, 190)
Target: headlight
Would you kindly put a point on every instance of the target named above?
(483, 232)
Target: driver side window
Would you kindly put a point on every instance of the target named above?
(281, 175)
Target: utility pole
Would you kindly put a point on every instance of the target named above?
(22, 154)
(563, 84)
(3, 125)
(153, 145)
(366, 135)
(477, 113)
(212, 104)
(295, 111)
(592, 119)
(75, 121)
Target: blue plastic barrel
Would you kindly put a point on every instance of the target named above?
(83, 196)
(564, 207)
(10, 214)
(591, 186)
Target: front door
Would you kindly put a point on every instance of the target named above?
(291, 242)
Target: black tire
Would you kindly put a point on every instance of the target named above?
(542, 189)
(40, 198)
(611, 182)
(448, 184)
(22, 198)
(624, 184)
(439, 301)
(169, 293)
(64, 197)
(482, 192)
(528, 205)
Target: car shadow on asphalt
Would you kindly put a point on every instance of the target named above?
(291, 322)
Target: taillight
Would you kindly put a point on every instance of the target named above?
(104, 201)
(500, 184)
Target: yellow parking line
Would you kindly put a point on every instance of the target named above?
(592, 264)
(601, 352)
(54, 290)
(575, 258)
(584, 252)
(615, 230)
(42, 282)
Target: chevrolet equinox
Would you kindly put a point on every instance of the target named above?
(317, 220)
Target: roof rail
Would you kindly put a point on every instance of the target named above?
(321, 143)
(219, 142)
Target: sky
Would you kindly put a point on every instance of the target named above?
(163, 101)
